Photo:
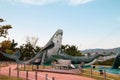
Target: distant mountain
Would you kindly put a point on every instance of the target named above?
(114, 50)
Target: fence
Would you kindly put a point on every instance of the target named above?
(27, 73)
(27, 77)
(92, 73)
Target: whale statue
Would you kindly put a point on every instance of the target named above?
(51, 51)
(87, 60)
(52, 47)
(116, 63)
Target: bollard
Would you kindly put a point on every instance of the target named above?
(21, 65)
(104, 74)
(43, 66)
(6, 64)
(17, 66)
(35, 75)
(0, 66)
(17, 73)
(37, 66)
(53, 78)
(32, 67)
(26, 74)
(24, 67)
(9, 71)
(46, 77)
(91, 72)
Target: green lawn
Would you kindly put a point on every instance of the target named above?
(97, 76)
(2, 77)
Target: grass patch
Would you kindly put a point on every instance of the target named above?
(96, 75)
(2, 77)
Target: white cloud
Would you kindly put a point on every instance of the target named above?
(45, 2)
(78, 2)
(34, 2)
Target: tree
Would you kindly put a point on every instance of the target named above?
(108, 62)
(32, 40)
(13, 45)
(8, 45)
(4, 29)
(29, 48)
(3, 33)
(1, 20)
(71, 50)
(26, 51)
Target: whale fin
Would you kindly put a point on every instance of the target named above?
(17, 54)
(14, 56)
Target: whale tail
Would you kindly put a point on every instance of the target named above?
(116, 63)
(14, 56)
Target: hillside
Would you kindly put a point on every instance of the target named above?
(113, 50)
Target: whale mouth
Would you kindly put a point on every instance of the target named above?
(59, 31)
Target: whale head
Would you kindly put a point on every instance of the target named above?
(57, 40)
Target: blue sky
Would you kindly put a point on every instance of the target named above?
(85, 23)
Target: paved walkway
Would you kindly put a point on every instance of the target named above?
(41, 75)
(62, 71)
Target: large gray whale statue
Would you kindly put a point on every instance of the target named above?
(51, 51)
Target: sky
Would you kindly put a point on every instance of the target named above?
(88, 24)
